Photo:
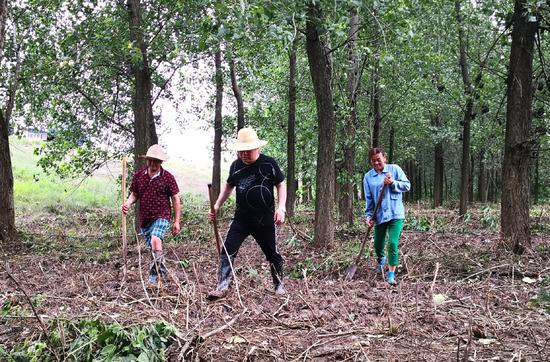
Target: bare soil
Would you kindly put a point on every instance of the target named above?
(460, 295)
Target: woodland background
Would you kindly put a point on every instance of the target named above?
(457, 92)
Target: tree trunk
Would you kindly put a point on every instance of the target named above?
(514, 222)
(237, 93)
(418, 182)
(3, 19)
(292, 183)
(438, 174)
(145, 133)
(8, 233)
(375, 95)
(320, 70)
(465, 165)
(410, 166)
(392, 145)
(493, 186)
(346, 193)
(216, 164)
(7, 208)
(438, 168)
(376, 108)
(471, 180)
(482, 179)
(536, 186)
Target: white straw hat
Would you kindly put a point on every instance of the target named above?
(156, 152)
(247, 139)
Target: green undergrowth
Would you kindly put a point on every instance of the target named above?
(94, 340)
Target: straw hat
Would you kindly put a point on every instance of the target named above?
(156, 152)
(247, 139)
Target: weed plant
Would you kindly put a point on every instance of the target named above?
(94, 340)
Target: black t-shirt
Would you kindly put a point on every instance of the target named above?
(254, 185)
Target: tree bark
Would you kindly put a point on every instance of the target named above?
(3, 19)
(7, 208)
(418, 181)
(375, 95)
(471, 179)
(376, 108)
(237, 93)
(514, 222)
(482, 179)
(536, 186)
(8, 232)
(320, 70)
(216, 164)
(466, 121)
(438, 174)
(392, 145)
(346, 192)
(145, 133)
(292, 183)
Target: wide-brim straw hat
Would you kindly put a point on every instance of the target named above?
(156, 152)
(247, 139)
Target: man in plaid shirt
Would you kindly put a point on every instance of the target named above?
(154, 188)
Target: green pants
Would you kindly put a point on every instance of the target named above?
(393, 229)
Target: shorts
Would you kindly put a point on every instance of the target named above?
(156, 228)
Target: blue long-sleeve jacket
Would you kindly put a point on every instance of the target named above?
(391, 206)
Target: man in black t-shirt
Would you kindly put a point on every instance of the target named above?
(254, 177)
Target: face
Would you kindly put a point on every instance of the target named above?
(153, 164)
(250, 156)
(378, 161)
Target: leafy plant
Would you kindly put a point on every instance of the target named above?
(490, 218)
(298, 270)
(541, 300)
(184, 263)
(93, 340)
(418, 224)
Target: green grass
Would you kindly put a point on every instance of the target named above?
(35, 190)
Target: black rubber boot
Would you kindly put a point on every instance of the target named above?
(277, 276)
(157, 266)
(225, 276)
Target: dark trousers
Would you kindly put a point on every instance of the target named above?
(263, 234)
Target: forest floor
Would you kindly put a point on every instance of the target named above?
(460, 295)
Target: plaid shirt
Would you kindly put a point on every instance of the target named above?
(153, 194)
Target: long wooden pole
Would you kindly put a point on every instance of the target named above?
(214, 222)
(124, 240)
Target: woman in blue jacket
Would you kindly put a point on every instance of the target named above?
(390, 215)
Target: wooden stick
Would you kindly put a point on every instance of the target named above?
(124, 240)
(228, 324)
(214, 222)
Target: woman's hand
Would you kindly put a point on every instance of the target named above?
(388, 180)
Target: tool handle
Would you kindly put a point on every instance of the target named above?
(378, 202)
(123, 225)
(215, 221)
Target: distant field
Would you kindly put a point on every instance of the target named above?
(35, 190)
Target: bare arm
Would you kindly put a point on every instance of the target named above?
(177, 212)
(281, 202)
(224, 195)
(126, 205)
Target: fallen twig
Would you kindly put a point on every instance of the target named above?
(227, 325)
